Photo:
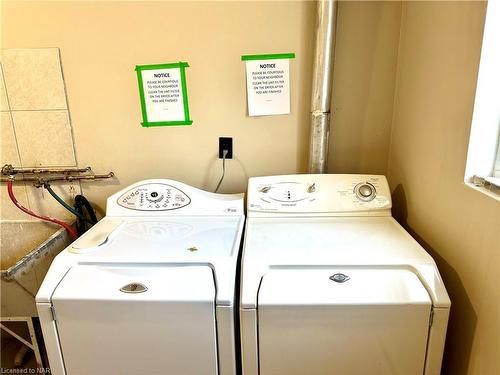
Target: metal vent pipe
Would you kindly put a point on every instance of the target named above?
(322, 85)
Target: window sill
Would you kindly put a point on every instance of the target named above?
(484, 190)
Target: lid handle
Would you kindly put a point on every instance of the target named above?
(134, 288)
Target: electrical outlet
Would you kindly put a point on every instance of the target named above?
(226, 143)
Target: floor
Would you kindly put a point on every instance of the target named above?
(9, 347)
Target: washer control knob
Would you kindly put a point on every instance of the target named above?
(365, 191)
(154, 197)
(311, 188)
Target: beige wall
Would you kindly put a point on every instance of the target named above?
(438, 62)
(101, 42)
(364, 76)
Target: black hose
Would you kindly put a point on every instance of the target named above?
(81, 205)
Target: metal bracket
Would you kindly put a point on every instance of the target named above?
(53, 312)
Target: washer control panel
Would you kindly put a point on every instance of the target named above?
(284, 195)
(154, 197)
(327, 193)
(287, 193)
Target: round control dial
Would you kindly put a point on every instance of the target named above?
(365, 191)
(154, 197)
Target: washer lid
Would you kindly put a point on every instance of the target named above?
(342, 286)
(98, 236)
(140, 240)
(209, 241)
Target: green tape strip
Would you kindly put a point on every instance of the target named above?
(268, 57)
(180, 65)
(162, 66)
(165, 123)
(184, 95)
(141, 94)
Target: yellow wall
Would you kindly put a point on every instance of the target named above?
(364, 76)
(101, 42)
(438, 63)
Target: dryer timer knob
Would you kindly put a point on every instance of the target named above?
(365, 191)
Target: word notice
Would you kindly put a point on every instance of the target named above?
(268, 84)
(163, 93)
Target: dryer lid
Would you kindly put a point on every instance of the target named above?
(136, 282)
(312, 243)
(342, 321)
(137, 319)
(342, 286)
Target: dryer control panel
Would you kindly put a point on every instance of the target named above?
(319, 194)
(154, 197)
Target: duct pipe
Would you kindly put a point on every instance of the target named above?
(322, 85)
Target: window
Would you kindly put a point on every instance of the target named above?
(496, 171)
(483, 158)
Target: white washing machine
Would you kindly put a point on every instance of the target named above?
(332, 284)
(150, 289)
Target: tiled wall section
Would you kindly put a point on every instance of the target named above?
(35, 128)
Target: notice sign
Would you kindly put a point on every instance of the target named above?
(163, 93)
(268, 84)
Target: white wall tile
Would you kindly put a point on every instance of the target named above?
(4, 105)
(44, 138)
(9, 155)
(8, 147)
(33, 78)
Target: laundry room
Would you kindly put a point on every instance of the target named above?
(250, 187)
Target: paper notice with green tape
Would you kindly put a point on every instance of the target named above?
(268, 83)
(163, 93)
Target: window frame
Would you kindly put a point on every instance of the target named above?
(482, 170)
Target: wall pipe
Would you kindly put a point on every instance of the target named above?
(31, 213)
(322, 85)
(9, 169)
(39, 181)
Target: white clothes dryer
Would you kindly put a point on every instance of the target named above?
(150, 289)
(332, 284)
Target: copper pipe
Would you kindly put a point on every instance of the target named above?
(8, 170)
(40, 181)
